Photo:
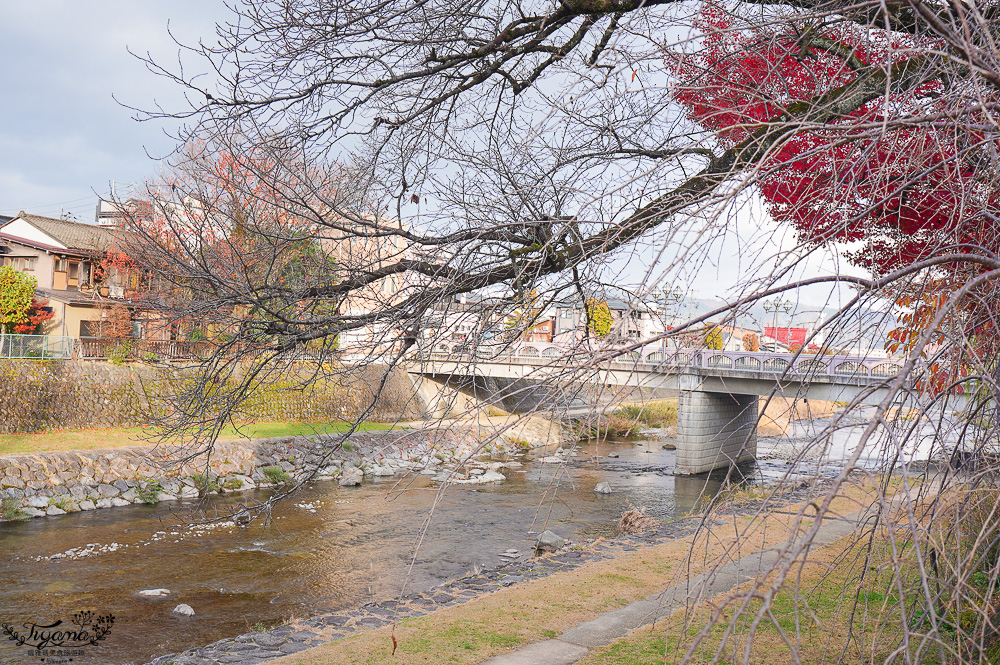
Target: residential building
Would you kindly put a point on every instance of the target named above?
(631, 321)
(543, 331)
(67, 259)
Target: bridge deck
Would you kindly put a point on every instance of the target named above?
(823, 377)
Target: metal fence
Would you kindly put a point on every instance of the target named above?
(36, 346)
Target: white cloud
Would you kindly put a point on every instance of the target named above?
(62, 135)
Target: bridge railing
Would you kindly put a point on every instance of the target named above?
(667, 360)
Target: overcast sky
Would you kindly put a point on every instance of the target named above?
(63, 138)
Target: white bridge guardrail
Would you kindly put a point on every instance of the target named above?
(659, 360)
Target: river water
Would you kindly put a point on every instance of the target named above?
(331, 548)
(326, 549)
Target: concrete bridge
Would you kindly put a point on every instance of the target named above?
(718, 391)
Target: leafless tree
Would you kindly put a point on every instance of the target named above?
(510, 148)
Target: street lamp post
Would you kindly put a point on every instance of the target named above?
(774, 306)
(666, 297)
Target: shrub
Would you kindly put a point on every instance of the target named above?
(661, 413)
(149, 490)
(10, 509)
(275, 474)
(205, 483)
(61, 502)
(119, 353)
(232, 484)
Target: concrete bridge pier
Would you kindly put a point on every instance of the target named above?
(715, 430)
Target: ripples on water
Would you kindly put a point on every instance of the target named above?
(327, 549)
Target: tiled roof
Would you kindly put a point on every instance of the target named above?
(69, 297)
(75, 235)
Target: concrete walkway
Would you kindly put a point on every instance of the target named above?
(577, 642)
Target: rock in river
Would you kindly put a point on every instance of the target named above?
(549, 542)
(184, 610)
(603, 488)
(351, 478)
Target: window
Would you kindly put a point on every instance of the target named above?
(74, 271)
(61, 265)
(23, 262)
(90, 328)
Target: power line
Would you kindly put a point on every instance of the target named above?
(59, 203)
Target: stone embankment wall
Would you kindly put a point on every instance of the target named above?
(37, 396)
(59, 482)
(44, 395)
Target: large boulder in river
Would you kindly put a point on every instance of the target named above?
(351, 478)
(549, 542)
(184, 610)
(603, 488)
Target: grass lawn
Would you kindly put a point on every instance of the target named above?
(121, 437)
(824, 613)
(846, 605)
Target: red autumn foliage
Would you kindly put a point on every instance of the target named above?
(903, 193)
(898, 192)
(37, 315)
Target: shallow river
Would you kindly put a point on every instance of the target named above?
(328, 548)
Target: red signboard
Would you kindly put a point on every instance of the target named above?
(786, 335)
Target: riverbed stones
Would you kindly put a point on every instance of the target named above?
(603, 488)
(485, 477)
(54, 510)
(12, 481)
(107, 491)
(87, 504)
(351, 478)
(188, 492)
(155, 593)
(549, 541)
(184, 610)
(37, 502)
(260, 647)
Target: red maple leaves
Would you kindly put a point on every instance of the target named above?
(38, 313)
(903, 190)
